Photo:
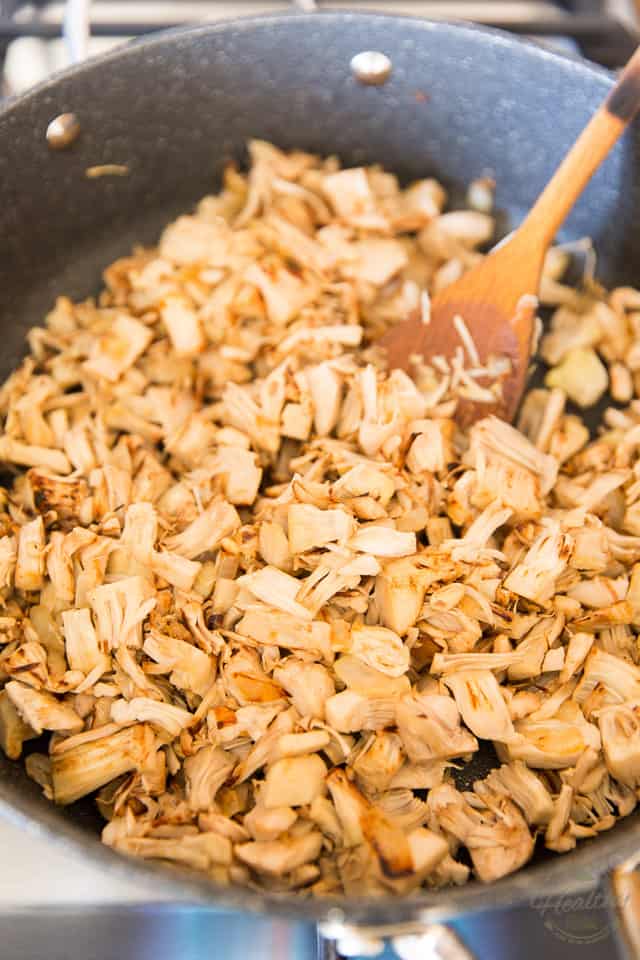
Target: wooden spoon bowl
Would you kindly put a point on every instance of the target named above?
(496, 299)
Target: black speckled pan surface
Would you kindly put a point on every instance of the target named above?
(460, 102)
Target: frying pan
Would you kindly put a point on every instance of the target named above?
(459, 102)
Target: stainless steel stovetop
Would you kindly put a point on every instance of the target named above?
(56, 908)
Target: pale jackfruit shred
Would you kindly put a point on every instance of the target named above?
(264, 597)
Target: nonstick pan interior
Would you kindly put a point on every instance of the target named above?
(460, 103)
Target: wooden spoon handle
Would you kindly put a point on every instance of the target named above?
(585, 156)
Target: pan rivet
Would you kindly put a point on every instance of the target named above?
(62, 131)
(371, 67)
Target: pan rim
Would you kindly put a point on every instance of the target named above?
(457, 27)
(557, 875)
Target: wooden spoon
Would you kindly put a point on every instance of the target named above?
(491, 298)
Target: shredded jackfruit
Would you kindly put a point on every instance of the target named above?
(266, 598)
